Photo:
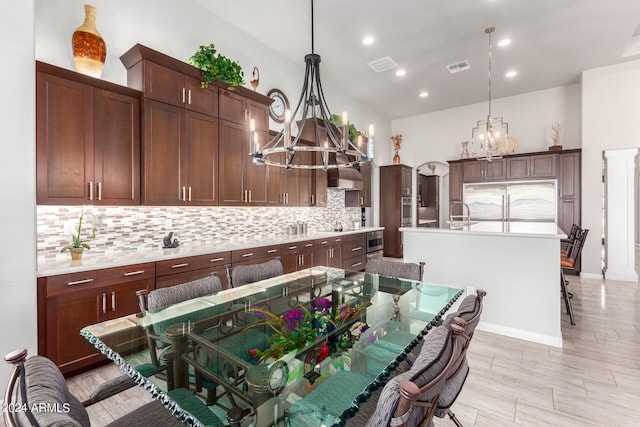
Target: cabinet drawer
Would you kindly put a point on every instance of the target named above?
(255, 253)
(97, 278)
(354, 248)
(357, 263)
(330, 241)
(188, 276)
(179, 265)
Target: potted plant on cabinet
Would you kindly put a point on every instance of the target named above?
(78, 244)
(217, 67)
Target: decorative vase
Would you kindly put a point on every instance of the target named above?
(89, 48)
(396, 158)
(465, 150)
(76, 253)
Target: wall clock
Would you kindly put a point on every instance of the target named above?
(278, 106)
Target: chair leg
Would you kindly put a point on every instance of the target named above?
(565, 296)
(453, 417)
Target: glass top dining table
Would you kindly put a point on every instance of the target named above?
(301, 349)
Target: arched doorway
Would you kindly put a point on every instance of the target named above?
(432, 192)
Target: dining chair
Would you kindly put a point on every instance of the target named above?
(36, 382)
(568, 265)
(401, 270)
(241, 275)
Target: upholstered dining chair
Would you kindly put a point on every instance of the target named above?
(401, 270)
(36, 382)
(241, 275)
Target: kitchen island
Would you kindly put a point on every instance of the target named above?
(517, 264)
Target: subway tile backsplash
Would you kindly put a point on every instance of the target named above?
(141, 227)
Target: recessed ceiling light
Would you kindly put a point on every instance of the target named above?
(504, 42)
(400, 73)
(368, 40)
(511, 74)
(424, 94)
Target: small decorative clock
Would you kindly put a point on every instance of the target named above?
(278, 106)
(266, 378)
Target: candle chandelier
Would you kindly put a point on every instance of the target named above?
(335, 149)
(492, 132)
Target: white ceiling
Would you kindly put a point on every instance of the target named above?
(552, 42)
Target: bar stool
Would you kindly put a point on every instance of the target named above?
(568, 264)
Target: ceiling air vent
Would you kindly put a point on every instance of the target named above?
(458, 66)
(382, 64)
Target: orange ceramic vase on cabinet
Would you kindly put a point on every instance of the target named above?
(89, 48)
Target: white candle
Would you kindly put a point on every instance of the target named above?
(345, 118)
(371, 131)
(287, 128)
(252, 125)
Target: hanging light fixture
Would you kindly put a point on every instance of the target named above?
(336, 150)
(491, 133)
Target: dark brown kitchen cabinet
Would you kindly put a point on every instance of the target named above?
(298, 255)
(395, 209)
(455, 187)
(69, 302)
(482, 170)
(87, 140)
(354, 252)
(534, 166)
(569, 194)
(182, 270)
(329, 252)
(362, 198)
(181, 156)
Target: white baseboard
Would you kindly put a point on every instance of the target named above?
(520, 334)
(596, 276)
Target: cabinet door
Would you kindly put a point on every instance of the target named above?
(163, 151)
(255, 174)
(233, 156)
(64, 141)
(305, 180)
(406, 181)
(518, 167)
(117, 149)
(543, 166)
(122, 298)
(200, 165)
(569, 175)
(232, 107)
(320, 195)
(201, 99)
(494, 169)
(164, 84)
(275, 185)
(455, 181)
(365, 193)
(472, 171)
(67, 314)
(291, 181)
(568, 214)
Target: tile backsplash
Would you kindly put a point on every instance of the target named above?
(140, 227)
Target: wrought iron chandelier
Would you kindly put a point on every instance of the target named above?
(336, 151)
(492, 132)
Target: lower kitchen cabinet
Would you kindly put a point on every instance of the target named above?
(329, 252)
(298, 256)
(354, 252)
(69, 302)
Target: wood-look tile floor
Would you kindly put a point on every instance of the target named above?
(594, 380)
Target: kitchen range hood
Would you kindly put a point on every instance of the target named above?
(344, 178)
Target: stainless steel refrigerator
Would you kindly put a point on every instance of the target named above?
(524, 201)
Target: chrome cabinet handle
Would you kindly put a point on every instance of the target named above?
(356, 264)
(189, 97)
(249, 196)
(246, 197)
(180, 265)
(133, 273)
(79, 282)
(183, 93)
(324, 243)
(247, 255)
(292, 247)
(90, 190)
(104, 303)
(362, 200)
(216, 259)
(287, 196)
(270, 251)
(184, 193)
(189, 193)
(308, 245)
(356, 249)
(99, 191)
(312, 199)
(113, 301)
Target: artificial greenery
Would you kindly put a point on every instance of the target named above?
(76, 240)
(353, 132)
(217, 67)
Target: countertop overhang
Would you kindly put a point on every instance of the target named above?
(513, 229)
(117, 259)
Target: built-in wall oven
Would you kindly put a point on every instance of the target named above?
(375, 244)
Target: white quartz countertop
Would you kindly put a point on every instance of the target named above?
(63, 264)
(515, 229)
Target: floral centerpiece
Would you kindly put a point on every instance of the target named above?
(302, 326)
(78, 244)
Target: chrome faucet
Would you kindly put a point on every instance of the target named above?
(459, 218)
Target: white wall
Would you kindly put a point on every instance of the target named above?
(17, 174)
(610, 120)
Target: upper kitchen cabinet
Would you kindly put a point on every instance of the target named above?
(169, 80)
(532, 166)
(481, 170)
(87, 140)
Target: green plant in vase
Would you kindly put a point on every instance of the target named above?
(353, 132)
(217, 67)
(79, 244)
